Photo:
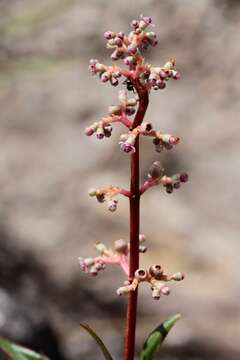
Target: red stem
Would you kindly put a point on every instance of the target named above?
(134, 228)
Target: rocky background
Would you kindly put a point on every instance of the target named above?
(47, 220)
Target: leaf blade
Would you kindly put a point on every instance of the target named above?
(103, 348)
(17, 352)
(156, 337)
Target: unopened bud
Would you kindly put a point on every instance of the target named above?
(121, 246)
(122, 290)
(142, 238)
(109, 35)
(112, 205)
(93, 271)
(156, 293)
(100, 133)
(184, 177)
(89, 262)
(165, 290)
(124, 137)
(156, 170)
(132, 102)
(92, 192)
(145, 126)
(89, 131)
(100, 247)
(169, 188)
(178, 276)
(142, 249)
(129, 60)
(114, 110)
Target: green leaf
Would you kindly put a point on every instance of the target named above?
(16, 352)
(156, 337)
(98, 340)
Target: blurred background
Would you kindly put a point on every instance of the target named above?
(47, 164)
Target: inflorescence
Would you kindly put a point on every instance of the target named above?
(137, 75)
(119, 255)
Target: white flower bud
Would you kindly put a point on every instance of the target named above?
(178, 276)
(101, 247)
(121, 246)
(112, 205)
(114, 109)
(124, 137)
(156, 293)
(92, 192)
(142, 248)
(122, 290)
(132, 102)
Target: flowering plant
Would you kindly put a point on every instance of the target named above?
(139, 78)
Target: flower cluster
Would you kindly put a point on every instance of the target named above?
(160, 140)
(155, 276)
(129, 48)
(139, 77)
(107, 194)
(160, 75)
(156, 177)
(106, 73)
(116, 113)
(117, 255)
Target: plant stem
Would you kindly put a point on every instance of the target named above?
(134, 229)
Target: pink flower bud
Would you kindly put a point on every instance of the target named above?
(165, 290)
(134, 24)
(118, 42)
(109, 35)
(121, 35)
(173, 140)
(142, 238)
(89, 131)
(163, 74)
(104, 77)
